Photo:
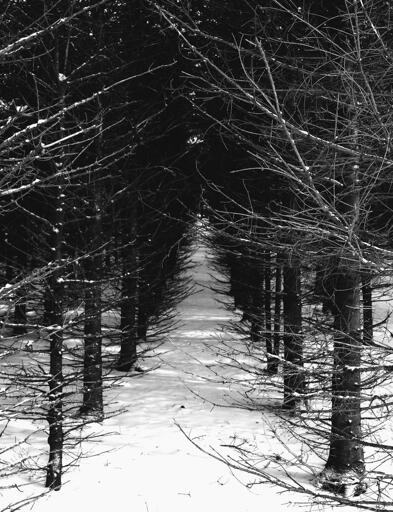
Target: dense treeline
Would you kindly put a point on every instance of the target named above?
(97, 188)
(296, 99)
(114, 117)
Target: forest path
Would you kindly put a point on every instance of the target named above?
(144, 463)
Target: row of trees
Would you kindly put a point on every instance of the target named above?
(104, 106)
(96, 188)
(295, 98)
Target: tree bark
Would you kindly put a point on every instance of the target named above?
(54, 297)
(256, 308)
(128, 323)
(129, 306)
(93, 267)
(271, 360)
(367, 309)
(55, 413)
(277, 319)
(142, 312)
(293, 340)
(346, 457)
(344, 468)
(92, 364)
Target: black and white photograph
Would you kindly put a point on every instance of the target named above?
(196, 255)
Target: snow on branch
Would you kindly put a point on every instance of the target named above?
(20, 43)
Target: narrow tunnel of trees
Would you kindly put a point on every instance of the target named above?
(124, 125)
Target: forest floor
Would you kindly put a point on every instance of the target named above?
(143, 460)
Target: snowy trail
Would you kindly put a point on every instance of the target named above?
(144, 463)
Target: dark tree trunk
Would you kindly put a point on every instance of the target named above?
(256, 306)
(238, 284)
(128, 323)
(54, 316)
(241, 286)
(93, 270)
(293, 341)
(54, 298)
(92, 364)
(271, 360)
(129, 298)
(142, 312)
(367, 309)
(346, 455)
(277, 320)
(20, 308)
(345, 467)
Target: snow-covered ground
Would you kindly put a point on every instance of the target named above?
(142, 460)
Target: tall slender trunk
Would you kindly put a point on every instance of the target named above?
(93, 267)
(293, 340)
(238, 284)
(345, 465)
(242, 270)
(268, 313)
(128, 321)
(55, 412)
(346, 455)
(128, 308)
(92, 364)
(344, 468)
(54, 298)
(54, 316)
(367, 309)
(142, 311)
(277, 318)
(256, 306)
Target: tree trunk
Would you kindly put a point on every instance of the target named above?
(242, 286)
(277, 320)
(54, 297)
(93, 267)
(256, 308)
(345, 464)
(54, 316)
(92, 364)
(142, 312)
(238, 284)
(271, 360)
(344, 468)
(128, 323)
(367, 309)
(129, 297)
(293, 341)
